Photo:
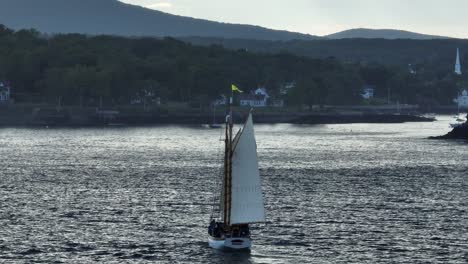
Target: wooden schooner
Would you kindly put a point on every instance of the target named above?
(241, 200)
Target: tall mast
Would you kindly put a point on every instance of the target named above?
(230, 158)
(226, 172)
(228, 166)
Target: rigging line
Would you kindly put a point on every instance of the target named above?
(217, 180)
(214, 195)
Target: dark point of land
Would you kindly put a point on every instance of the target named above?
(459, 132)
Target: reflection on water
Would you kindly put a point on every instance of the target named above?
(334, 193)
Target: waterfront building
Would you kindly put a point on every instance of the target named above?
(253, 100)
(257, 98)
(368, 92)
(5, 92)
(462, 100)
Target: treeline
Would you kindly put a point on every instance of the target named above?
(383, 51)
(82, 69)
(384, 63)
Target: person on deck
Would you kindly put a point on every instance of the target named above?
(211, 228)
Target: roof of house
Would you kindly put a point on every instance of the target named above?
(252, 97)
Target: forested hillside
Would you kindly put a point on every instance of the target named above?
(380, 34)
(81, 68)
(112, 17)
(439, 53)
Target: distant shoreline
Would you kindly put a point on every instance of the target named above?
(21, 116)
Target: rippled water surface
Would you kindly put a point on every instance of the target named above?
(356, 193)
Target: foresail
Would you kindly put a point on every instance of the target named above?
(247, 204)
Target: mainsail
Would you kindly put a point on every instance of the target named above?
(247, 204)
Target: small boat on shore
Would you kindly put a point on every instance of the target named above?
(460, 119)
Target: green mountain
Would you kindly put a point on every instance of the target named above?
(116, 18)
(380, 34)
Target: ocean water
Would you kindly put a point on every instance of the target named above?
(359, 193)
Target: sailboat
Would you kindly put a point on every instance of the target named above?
(241, 200)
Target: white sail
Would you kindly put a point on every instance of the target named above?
(247, 204)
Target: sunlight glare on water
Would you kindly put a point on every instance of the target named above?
(374, 193)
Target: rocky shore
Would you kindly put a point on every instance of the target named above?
(460, 132)
(292, 118)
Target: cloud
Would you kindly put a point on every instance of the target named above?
(160, 5)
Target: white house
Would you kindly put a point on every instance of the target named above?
(462, 99)
(367, 92)
(5, 92)
(253, 100)
(257, 98)
(262, 91)
(411, 69)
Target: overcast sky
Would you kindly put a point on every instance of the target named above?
(321, 17)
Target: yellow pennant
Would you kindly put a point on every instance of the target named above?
(235, 89)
